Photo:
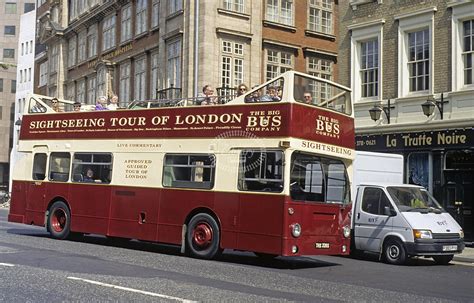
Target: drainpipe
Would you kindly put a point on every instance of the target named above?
(196, 44)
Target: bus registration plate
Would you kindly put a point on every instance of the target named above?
(450, 247)
(322, 245)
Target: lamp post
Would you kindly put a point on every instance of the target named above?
(429, 106)
(376, 111)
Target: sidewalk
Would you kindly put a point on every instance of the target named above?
(467, 255)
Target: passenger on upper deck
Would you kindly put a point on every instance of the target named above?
(55, 105)
(101, 103)
(308, 99)
(76, 106)
(207, 97)
(241, 89)
(271, 95)
(38, 108)
(113, 105)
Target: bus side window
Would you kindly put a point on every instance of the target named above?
(39, 166)
(189, 171)
(59, 167)
(100, 165)
(261, 171)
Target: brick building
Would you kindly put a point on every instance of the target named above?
(398, 55)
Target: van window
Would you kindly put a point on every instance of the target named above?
(59, 165)
(189, 171)
(92, 167)
(374, 201)
(39, 167)
(261, 171)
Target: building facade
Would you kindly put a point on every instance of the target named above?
(400, 55)
(147, 49)
(10, 28)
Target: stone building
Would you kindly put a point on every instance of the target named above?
(402, 58)
(147, 49)
(10, 28)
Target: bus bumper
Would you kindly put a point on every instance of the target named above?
(16, 218)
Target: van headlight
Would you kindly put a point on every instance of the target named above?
(461, 234)
(346, 231)
(422, 234)
(295, 230)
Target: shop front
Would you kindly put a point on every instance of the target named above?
(442, 161)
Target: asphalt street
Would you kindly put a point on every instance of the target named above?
(36, 268)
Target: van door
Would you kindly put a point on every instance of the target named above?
(371, 224)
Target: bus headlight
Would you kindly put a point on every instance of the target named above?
(346, 231)
(461, 234)
(422, 234)
(295, 230)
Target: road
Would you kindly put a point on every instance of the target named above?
(36, 268)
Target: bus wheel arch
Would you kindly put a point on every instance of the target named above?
(203, 233)
(58, 220)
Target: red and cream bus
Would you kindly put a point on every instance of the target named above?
(267, 175)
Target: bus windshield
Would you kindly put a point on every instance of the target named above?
(318, 179)
(413, 199)
(318, 92)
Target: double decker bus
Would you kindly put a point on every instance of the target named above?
(265, 172)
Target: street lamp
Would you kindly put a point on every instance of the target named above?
(376, 111)
(429, 106)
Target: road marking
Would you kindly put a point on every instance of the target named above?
(132, 290)
(462, 263)
(6, 264)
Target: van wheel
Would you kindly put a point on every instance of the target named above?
(443, 260)
(59, 220)
(394, 252)
(202, 237)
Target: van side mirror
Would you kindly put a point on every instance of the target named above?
(388, 211)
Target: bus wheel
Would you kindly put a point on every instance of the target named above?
(202, 237)
(443, 260)
(395, 252)
(59, 220)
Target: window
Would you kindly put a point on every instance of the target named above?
(53, 60)
(92, 41)
(22, 48)
(29, 73)
(140, 84)
(174, 6)
(374, 201)
(39, 166)
(9, 53)
(59, 167)
(318, 179)
(43, 74)
(102, 81)
(21, 76)
(81, 47)
(261, 171)
(126, 30)
(81, 90)
(108, 39)
(10, 8)
(174, 64)
(415, 53)
(369, 68)
(280, 11)
(124, 83)
(232, 63)
(1, 85)
(320, 16)
(29, 7)
(468, 51)
(31, 46)
(141, 17)
(419, 60)
(13, 87)
(155, 13)
(91, 90)
(234, 5)
(99, 166)
(278, 62)
(189, 171)
(154, 75)
(320, 68)
(420, 167)
(71, 59)
(70, 91)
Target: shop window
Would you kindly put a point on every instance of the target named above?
(419, 169)
(460, 159)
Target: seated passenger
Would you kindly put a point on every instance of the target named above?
(241, 89)
(89, 176)
(207, 97)
(308, 99)
(271, 96)
(101, 103)
(55, 105)
(38, 108)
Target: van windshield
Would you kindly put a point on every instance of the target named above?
(414, 199)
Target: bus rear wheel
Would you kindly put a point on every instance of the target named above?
(59, 220)
(202, 237)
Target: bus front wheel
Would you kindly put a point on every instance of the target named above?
(59, 220)
(202, 237)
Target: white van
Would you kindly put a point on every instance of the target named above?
(398, 220)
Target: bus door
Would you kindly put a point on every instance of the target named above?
(35, 191)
